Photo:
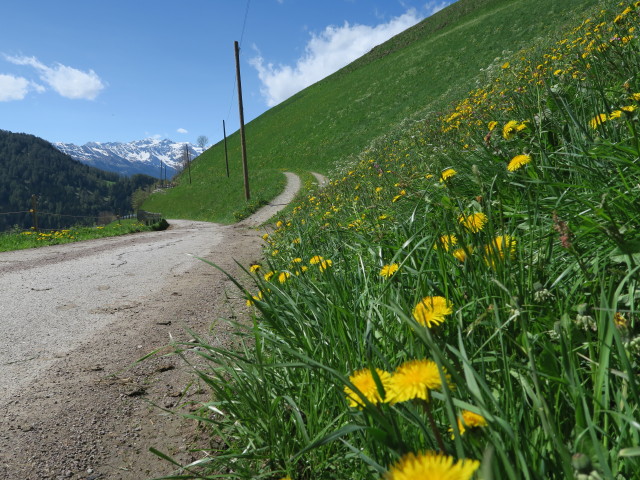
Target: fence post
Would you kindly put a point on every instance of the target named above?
(34, 211)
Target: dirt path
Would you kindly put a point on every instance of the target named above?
(72, 407)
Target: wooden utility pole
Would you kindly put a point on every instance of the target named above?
(188, 160)
(247, 194)
(226, 156)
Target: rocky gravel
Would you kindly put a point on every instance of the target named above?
(75, 402)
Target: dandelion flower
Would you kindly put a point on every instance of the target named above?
(268, 276)
(474, 222)
(265, 236)
(518, 162)
(432, 466)
(325, 264)
(510, 129)
(461, 254)
(635, 97)
(629, 108)
(316, 259)
(254, 298)
(598, 120)
(498, 248)
(254, 268)
(388, 270)
(492, 125)
(469, 420)
(615, 114)
(446, 242)
(283, 277)
(432, 310)
(447, 174)
(365, 384)
(414, 379)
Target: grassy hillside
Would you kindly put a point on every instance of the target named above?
(462, 300)
(420, 70)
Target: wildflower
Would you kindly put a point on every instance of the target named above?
(296, 260)
(629, 108)
(598, 120)
(399, 196)
(388, 270)
(474, 222)
(447, 174)
(469, 420)
(283, 277)
(254, 268)
(316, 259)
(446, 242)
(518, 162)
(510, 129)
(414, 379)
(265, 236)
(366, 385)
(269, 275)
(254, 298)
(635, 97)
(432, 310)
(279, 224)
(492, 125)
(615, 114)
(620, 321)
(505, 65)
(461, 253)
(431, 465)
(497, 248)
(325, 264)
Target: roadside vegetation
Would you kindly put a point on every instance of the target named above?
(21, 239)
(462, 300)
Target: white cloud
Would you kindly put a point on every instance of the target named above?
(66, 81)
(13, 88)
(435, 6)
(326, 53)
(182, 130)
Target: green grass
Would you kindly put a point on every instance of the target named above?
(32, 239)
(418, 71)
(541, 336)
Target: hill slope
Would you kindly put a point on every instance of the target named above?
(68, 191)
(421, 69)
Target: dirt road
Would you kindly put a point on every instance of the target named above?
(74, 318)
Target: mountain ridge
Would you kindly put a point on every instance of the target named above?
(130, 158)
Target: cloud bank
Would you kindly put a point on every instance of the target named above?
(67, 81)
(325, 53)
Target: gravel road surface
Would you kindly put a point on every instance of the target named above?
(75, 318)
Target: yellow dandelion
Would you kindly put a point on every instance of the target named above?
(518, 162)
(316, 259)
(366, 385)
(255, 268)
(505, 65)
(510, 129)
(325, 264)
(499, 248)
(432, 466)
(492, 125)
(447, 174)
(446, 242)
(461, 254)
(269, 275)
(265, 236)
(432, 310)
(469, 420)
(279, 224)
(629, 108)
(283, 277)
(414, 379)
(615, 114)
(296, 260)
(254, 298)
(598, 120)
(474, 222)
(388, 270)
(635, 97)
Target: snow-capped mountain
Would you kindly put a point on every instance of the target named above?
(140, 156)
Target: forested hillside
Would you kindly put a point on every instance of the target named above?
(67, 191)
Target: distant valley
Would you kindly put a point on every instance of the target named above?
(140, 156)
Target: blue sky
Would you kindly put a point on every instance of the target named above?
(76, 71)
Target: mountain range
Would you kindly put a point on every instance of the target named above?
(140, 156)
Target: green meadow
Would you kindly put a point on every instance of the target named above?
(461, 301)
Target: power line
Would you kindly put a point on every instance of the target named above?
(233, 90)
